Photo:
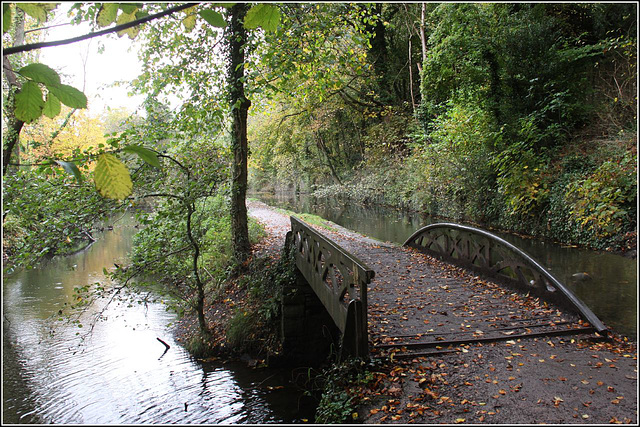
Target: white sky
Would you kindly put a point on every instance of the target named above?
(118, 62)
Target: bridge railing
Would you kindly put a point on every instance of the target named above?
(340, 281)
(489, 254)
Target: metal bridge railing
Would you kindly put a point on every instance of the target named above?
(492, 255)
(340, 281)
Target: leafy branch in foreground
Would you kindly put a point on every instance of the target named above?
(169, 250)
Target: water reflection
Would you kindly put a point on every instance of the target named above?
(610, 292)
(119, 373)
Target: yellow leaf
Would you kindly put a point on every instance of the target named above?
(112, 178)
(190, 21)
(124, 18)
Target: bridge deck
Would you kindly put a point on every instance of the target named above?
(548, 380)
(420, 305)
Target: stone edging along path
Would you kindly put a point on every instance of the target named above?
(564, 379)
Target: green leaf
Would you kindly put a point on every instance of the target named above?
(34, 10)
(41, 73)
(52, 106)
(6, 17)
(145, 154)
(71, 168)
(189, 23)
(141, 14)
(263, 15)
(69, 96)
(214, 18)
(129, 7)
(107, 14)
(112, 178)
(29, 102)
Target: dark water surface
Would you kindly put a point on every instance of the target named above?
(118, 374)
(611, 292)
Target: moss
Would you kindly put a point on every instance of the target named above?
(309, 219)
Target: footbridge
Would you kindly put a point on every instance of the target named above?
(448, 286)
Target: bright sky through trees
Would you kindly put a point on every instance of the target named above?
(118, 62)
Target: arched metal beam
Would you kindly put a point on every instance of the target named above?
(460, 246)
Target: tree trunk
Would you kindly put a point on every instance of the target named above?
(204, 329)
(423, 38)
(14, 126)
(325, 150)
(239, 108)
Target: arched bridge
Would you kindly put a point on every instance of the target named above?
(419, 306)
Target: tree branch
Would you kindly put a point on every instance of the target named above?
(32, 46)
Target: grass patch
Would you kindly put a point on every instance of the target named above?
(308, 218)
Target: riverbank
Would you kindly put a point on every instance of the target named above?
(543, 380)
(620, 243)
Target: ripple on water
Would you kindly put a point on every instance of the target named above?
(118, 374)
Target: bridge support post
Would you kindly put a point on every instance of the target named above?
(339, 280)
(309, 334)
(355, 339)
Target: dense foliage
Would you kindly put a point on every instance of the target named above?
(520, 116)
(173, 162)
(525, 116)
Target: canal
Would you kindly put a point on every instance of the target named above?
(56, 372)
(610, 289)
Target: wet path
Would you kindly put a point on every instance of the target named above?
(421, 306)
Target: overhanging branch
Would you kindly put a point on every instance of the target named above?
(33, 46)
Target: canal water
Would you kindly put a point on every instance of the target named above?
(611, 290)
(54, 372)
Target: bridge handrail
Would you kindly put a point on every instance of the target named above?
(340, 281)
(451, 246)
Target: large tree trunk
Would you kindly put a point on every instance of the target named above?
(239, 107)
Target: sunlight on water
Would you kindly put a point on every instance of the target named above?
(120, 372)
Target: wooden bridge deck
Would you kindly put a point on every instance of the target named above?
(419, 305)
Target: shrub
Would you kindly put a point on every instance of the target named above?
(604, 201)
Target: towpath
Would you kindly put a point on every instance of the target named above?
(461, 349)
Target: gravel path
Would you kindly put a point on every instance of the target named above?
(416, 299)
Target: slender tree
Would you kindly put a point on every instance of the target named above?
(239, 106)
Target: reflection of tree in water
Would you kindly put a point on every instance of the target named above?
(267, 395)
(15, 390)
(55, 365)
(52, 282)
